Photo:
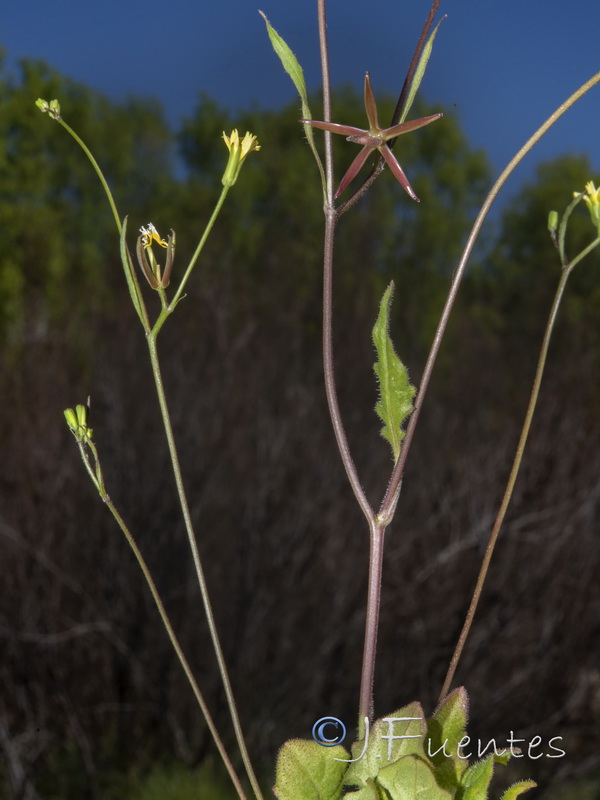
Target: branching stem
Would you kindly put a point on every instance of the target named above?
(566, 271)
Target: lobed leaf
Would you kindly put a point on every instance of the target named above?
(395, 390)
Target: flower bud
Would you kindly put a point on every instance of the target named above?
(52, 108)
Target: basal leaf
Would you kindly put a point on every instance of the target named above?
(475, 781)
(419, 72)
(307, 771)
(410, 778)
(294, 70)
(395, 391)
(390, 738)
(445, 730)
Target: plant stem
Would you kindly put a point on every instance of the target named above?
(198, 565)
(391, 493)
(97, 169)
(329, 370)
(365, 709)
(177, 647)
(201, 243)
(515, 469)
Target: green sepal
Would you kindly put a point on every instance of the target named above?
(382, 751)
(307, 771)
(71, 419)
(419, 72)
(81, 412)
(475, 781)
(294, 70)
(132, 281)
(445, 729)
(563, 226)
(410, 778)
(395, 390)
(518, 788)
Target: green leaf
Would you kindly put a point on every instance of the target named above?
(390, 738)
(419, 72)
(395, 391)
(518, 788)
(308, 771)
(410, 778)
(445, 730)
(132, 282)
(475, 781)
(294, 70)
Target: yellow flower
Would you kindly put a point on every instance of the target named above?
(156, 276)
(238, 150)
(149, 235)
(591, 198)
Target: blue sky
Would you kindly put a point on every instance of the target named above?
(504, 65)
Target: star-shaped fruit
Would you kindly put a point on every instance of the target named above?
(375, 138)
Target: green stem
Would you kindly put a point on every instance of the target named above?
(177, 648)
(94, 164)
(198, 564)
(98, 480)
(567, 269)
(199, 248)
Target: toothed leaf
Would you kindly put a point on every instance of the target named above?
(395, 391)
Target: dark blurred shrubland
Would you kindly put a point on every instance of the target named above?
(89, 681)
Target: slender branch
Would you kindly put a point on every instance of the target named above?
(329, 240)
(515, 469)
(391, 493)
(329, 370)
(177, 647)
(325, 79)
(198, 565)
(98, 171)
(197, 251)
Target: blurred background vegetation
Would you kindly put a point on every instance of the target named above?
(92, 696)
